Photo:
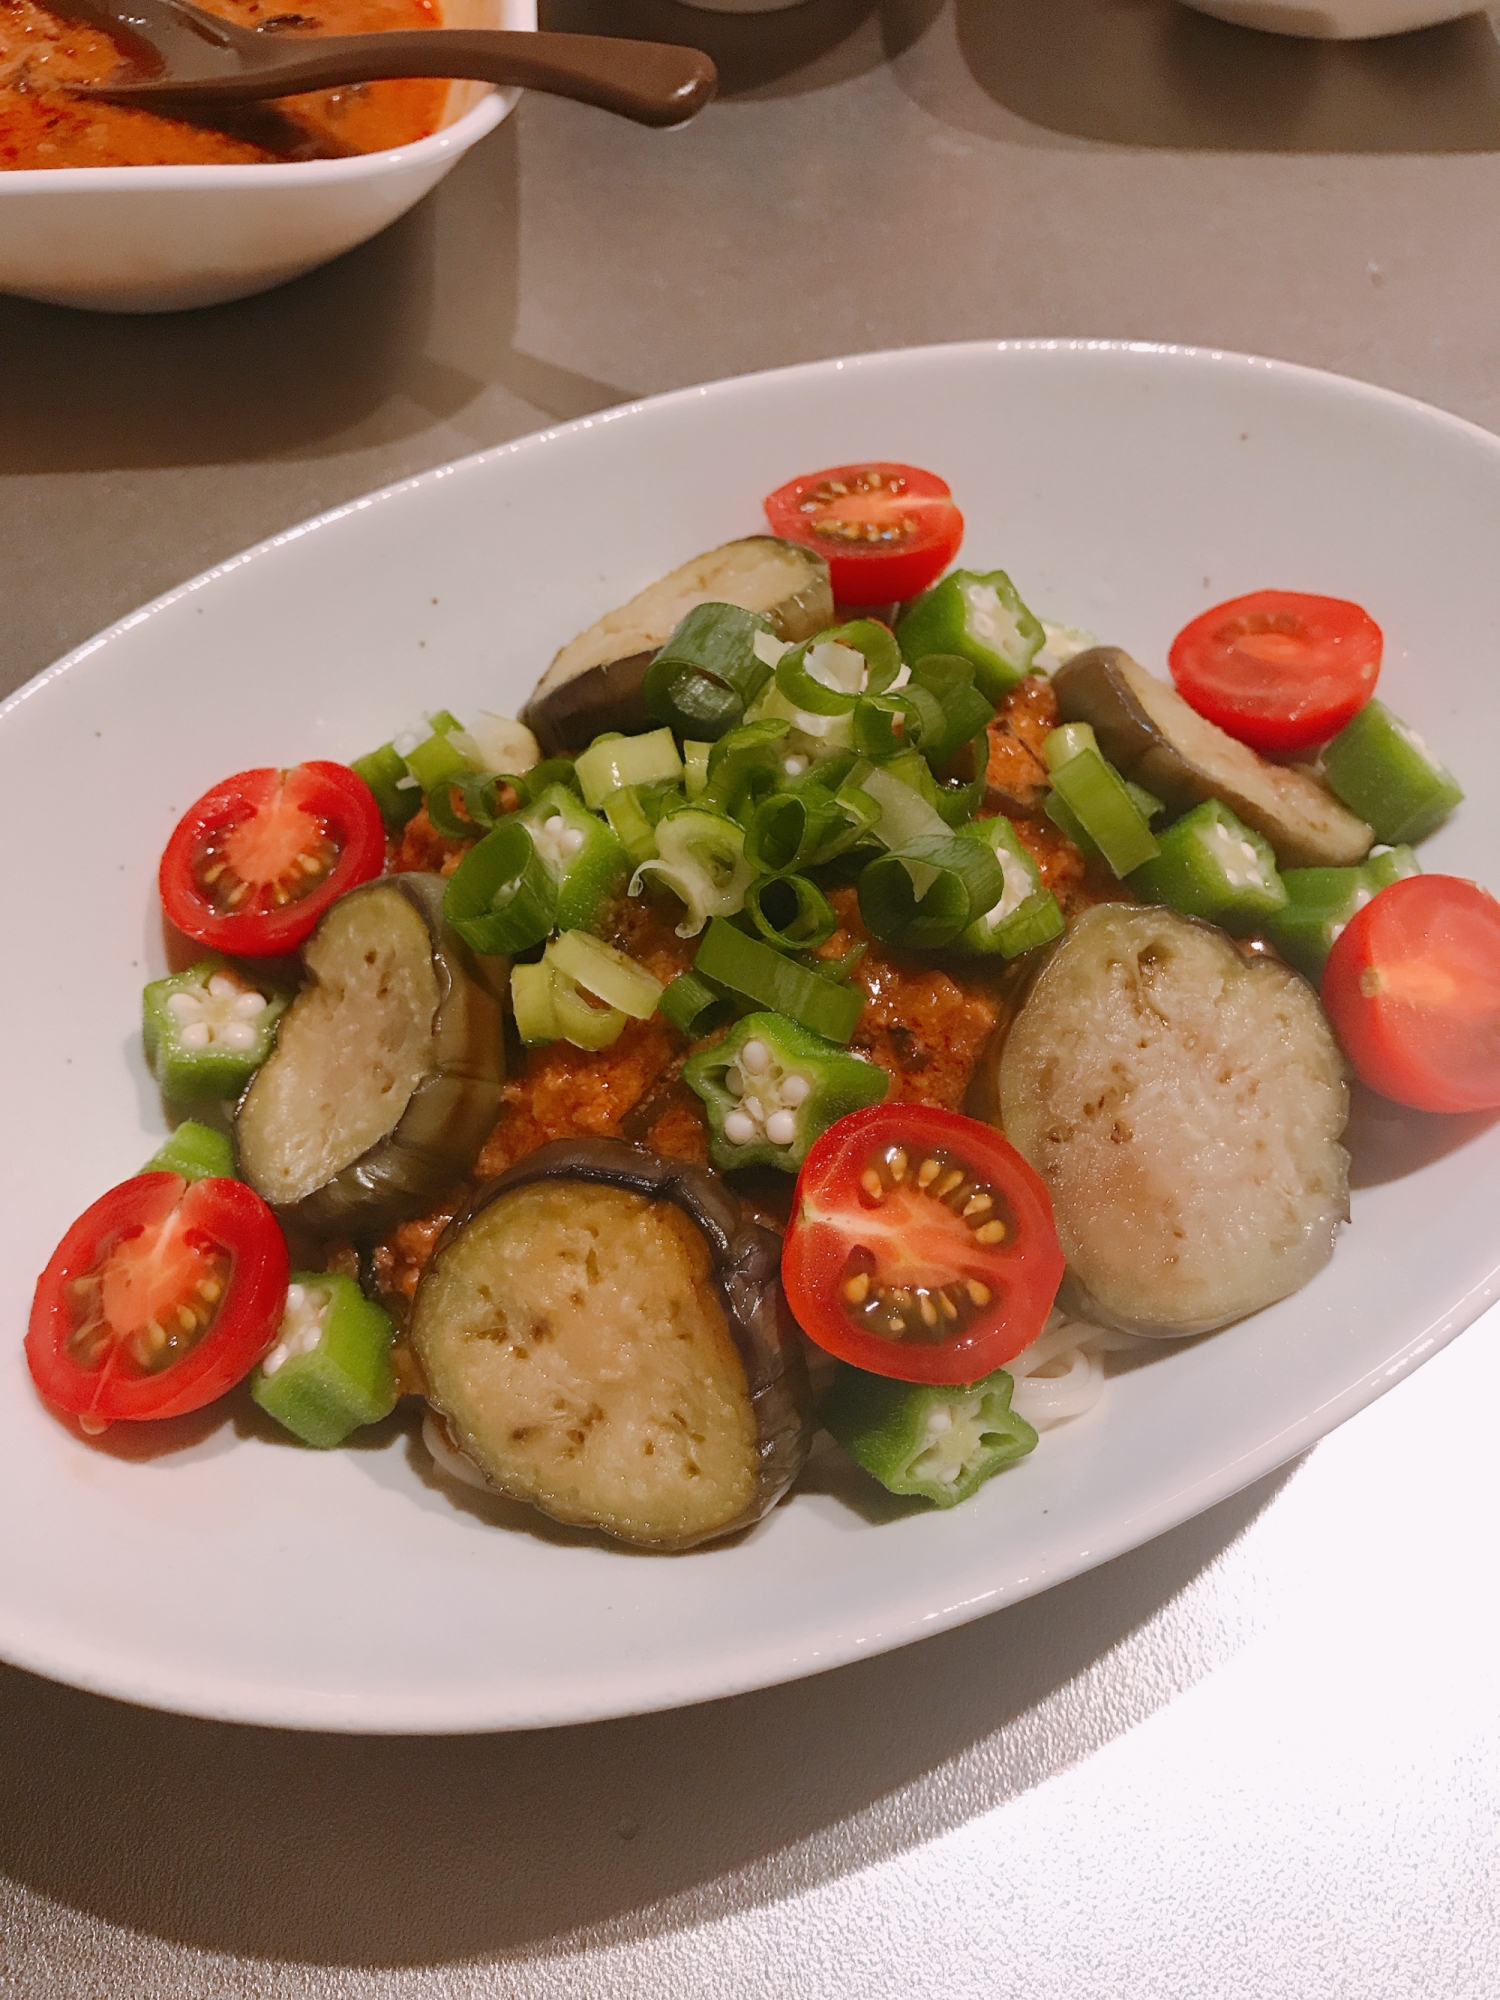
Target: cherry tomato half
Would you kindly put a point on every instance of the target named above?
(885, 531)
(1412, 987)
(253, 865)
(1280, 670)
(921, 1245)
(160, 1297)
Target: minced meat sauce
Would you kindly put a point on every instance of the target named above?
(926, 1025)
(42, 125)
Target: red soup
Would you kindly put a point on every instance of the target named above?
(41, 125)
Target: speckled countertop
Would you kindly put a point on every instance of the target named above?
(1258, 1757)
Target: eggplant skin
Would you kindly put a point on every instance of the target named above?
(1184, 1105)
(595, 682)
(386, 1075)
(682, 1426)
(1149, 732)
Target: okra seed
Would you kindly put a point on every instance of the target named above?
(927, 1173)
(185, 1006)
(572, 840)
(250, 1003)
(781, 1128)
(739, 1128)
(991, 1232)
(238, 1035)
(734, 1080)
(795, 1089)
(857, 1290)
(872, 1184)
(556, 825)
(274, 1359)
(755, 1057)
(195, 1034)
(222, 987)
(756, 1109)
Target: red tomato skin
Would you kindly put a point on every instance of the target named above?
(1025, 1273)
(245, 1327)
(1286, 705)
(330, 791)
(873, 576)
(1412, 987)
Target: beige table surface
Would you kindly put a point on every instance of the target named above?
(1255, 1758)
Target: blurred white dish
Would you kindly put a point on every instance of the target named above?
(1334, 20)
(1126, 489)
(156, 239)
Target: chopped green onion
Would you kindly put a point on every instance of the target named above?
(701, 859)
(1095, 793)
(397, 793)
(708, 673)
(692, 1005)
(886, 724)
(906, 814)
(743, 766)
(551, 771)
(695, 768)
(611, 762)
(434, 758)
(501, 898)
(531, 1003)
(631, 825)
(605, 972)
(800, 916)
(928, 892)
(966, 713)
(761, 973)
(827, 674)
(480, 796)
(960, 797)
(579, 1020)
(795, 830)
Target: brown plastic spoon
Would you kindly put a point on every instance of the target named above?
(182, 59)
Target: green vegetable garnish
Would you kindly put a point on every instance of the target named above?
(979, 617)
(209, 1029)
(196, 1152)
(1382, 770)
(1213, 866)
(771, 1088)
(940, 1444)
(329, 1371)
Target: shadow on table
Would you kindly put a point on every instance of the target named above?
(332, 361)
(407, 1851)
(1152, 73)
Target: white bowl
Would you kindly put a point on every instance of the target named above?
(1126, 489)
(1335, 20)
(156, 239)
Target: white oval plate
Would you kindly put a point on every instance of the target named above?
(1125, 488)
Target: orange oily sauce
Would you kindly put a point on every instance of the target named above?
(42, 125)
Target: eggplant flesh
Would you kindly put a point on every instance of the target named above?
(386, 1075)
(605, 1336)
(1184, 1105)
(1148, 732)
(595, 682)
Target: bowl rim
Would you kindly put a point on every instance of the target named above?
(455, 138)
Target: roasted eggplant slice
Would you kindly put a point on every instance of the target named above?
(606, 1337)
(1184, 1105)
(595, 682)
(1148, 732)
(385, 1079)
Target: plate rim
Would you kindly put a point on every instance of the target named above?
(391, 1713)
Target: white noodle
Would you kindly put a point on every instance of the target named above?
(1061, 1374)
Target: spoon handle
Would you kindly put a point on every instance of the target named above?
(653, 83)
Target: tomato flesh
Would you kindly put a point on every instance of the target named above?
(1412, 987)
(254, 863)
(1281, 670)
(160, 1298)
(921, 1245)
(885, 530)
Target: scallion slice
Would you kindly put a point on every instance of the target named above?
(701, 859)
(695, 768)
(708, 673)
(749, 966)
(531, 1003)
(500, 898)
(694, 1006)
(605, 972)
(906, 814)
(631, 825)
(611, 762)
(1095, 794)
(791, 912)
(928, 892)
